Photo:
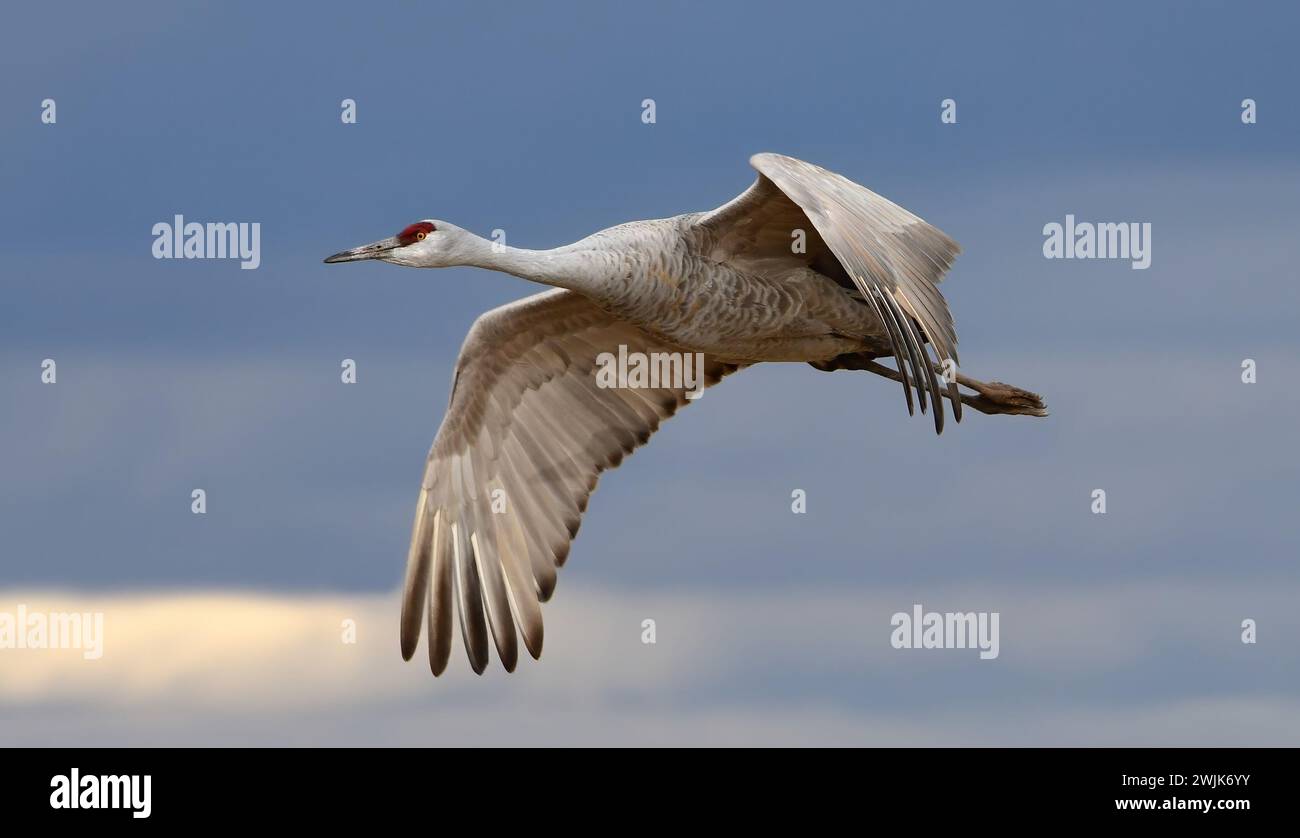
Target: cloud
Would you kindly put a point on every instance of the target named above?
(775, 668)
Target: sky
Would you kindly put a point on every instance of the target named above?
(772, 627)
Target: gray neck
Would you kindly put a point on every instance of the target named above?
(572, 267)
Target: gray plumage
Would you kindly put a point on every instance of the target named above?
(804, 265)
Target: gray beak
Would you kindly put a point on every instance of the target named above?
(366, 251)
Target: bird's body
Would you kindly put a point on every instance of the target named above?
(668, 277)
(805, 265)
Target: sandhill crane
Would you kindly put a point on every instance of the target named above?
(805, 265)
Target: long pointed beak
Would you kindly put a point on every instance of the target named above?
(366, 251)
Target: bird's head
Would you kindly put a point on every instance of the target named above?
(425, 244)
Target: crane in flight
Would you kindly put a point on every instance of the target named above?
(804, 265)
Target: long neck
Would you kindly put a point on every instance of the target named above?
(573, 267)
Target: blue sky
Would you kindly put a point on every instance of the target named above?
(176, 374)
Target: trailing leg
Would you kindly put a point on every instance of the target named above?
(992, 396)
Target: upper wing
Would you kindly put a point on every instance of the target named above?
(525, 438)
(894, 259)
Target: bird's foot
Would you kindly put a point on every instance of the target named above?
(996, 397)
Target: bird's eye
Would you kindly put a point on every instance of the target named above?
(417, 232)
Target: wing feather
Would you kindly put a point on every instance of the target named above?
(441, 592)
(893, 259)
(889, 253)
(526, 425)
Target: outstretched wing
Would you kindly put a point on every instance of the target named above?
(526, 436)
(894, 259)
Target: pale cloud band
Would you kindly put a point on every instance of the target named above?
(203, 668)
